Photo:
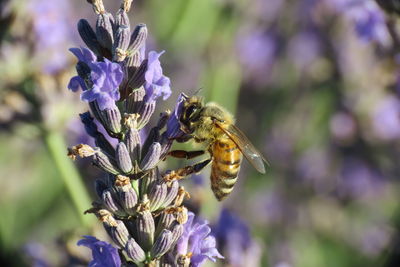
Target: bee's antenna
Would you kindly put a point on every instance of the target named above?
(198, 90)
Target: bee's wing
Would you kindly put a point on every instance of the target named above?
(245, 146)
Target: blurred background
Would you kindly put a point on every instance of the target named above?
(313, 83)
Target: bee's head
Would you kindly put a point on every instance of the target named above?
(191, 112)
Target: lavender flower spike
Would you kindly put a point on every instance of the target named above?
(104, 254)
(156, 83)
(196, 244)
(106, 77)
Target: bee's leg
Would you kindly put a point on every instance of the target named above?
(185, 171)
(182, 154)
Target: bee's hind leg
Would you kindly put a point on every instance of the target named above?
(186, 171)
(182, 154)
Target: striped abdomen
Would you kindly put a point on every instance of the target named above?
(225, 167)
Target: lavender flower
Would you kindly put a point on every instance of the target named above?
(141, 207)
(51, 29)
(156, 83)
(106, 77)
(103, 253)
(368, 19)
(257, 53)
(386, 119)
(234, 238)
(196, 244)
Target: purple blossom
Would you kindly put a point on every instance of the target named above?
(368, 19)
(86, 56)
(173, 124)
(37, 254)
(196, 239)
(234, 236)
(51, 30)
(343, 127)
(103, 253)
(304, 49)
(83, 54)
(106, 77)
(156, 83)
(257, 53)
(386, 119)
(359, 180)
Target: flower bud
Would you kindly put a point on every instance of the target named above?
(177, 232)
(134, 101)
(121, 43)
(127, 195)
(111, 203)
(145, 229)
(104, 30)
(165, 221)
(132, 140)
(150, 177)
(145, 113)
(152, 136)
(91, 129)
(172, 193)
(135, 60)
(105, 163)
(121, 18)
(88, 36)
(152, 157)
(157, 195)
(134, 251)
(119, 233)
(137, 74)
(138, 38)
(111, 119)
(162, 245)
(123, 158)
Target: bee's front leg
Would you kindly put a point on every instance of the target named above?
(186, 171)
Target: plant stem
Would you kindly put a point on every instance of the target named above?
(72, 180)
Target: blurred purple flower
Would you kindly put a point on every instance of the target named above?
(343, 127)
(106, 77)
(233, 235)
(374, 239)
(386, 119)
(52, 32)
(103, 253)
(196, 239)
(257, 53)
(314, 168)
(37, 254)
(304, 49)
(358, 180)
(156, 84)
(368, 19)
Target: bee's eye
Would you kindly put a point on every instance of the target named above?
(191, 110)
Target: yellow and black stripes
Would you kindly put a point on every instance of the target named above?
(225, 167)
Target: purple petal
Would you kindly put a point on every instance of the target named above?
(103, 253)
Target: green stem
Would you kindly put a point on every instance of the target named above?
(72, 180)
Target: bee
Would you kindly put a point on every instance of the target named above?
(211, 124)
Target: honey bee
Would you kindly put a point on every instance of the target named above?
(211, 124)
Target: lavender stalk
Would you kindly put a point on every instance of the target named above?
(139, 205)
